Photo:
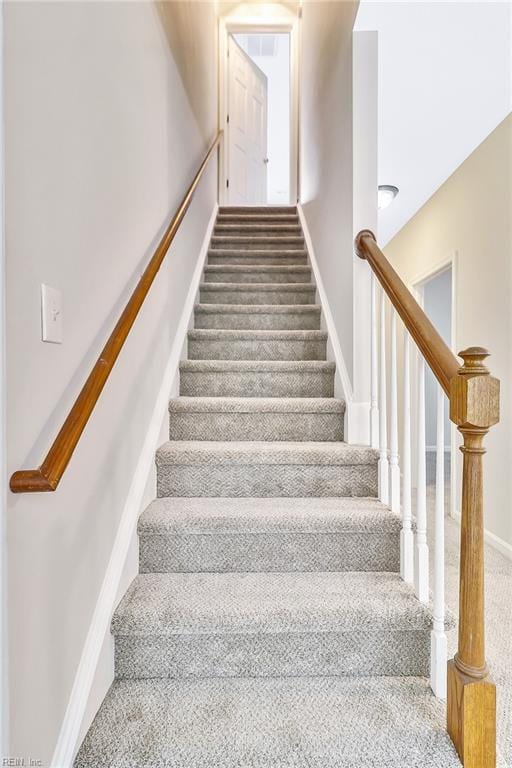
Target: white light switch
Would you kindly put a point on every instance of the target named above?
(51, 314)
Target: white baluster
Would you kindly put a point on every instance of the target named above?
(421, 549)
(406, 534)
(383, 408)
(439, 649)
(374, 407)
(394, 469)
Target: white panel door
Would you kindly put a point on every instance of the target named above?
(247, 130)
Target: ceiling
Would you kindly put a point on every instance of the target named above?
(445, 72)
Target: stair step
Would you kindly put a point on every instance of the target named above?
(258, 534)
(251, 210)
(254, 418)
(257, 273)
(249, 242)
(243, 378)
(260, 293)
(292, 257)
(323, 722)
(209, 468)
(257, 228)
(278, 317)
(213, 344)
(250, 218)
(270, 625)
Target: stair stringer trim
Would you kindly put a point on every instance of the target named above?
(72, 727)
(342, 383)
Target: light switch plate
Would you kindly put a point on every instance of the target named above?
(51, 314)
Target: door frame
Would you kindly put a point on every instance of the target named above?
(416, 285)
(247, 25)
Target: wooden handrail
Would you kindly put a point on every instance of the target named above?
(49, 474)
(436, 352)
(474, 407)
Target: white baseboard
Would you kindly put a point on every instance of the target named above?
(71, 726)
(502, 546)
(334, 342)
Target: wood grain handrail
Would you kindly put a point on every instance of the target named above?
(434, 349)
(49, 474)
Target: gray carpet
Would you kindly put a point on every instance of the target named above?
(268, 626)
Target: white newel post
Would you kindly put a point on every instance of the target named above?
(421, 548)
(394, 468)
(374, 406)
(439, 648)
(406, 535)
(383, 408)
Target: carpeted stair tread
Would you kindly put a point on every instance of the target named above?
(268, 534)
(277, 515)
(258, 209)
(256, 241)
(218, 344)
(257, 273)
(257, 228)
(279, 317)
(323, 722)
(268, 603)
(286, 218)
(326, 405)
(250, 378)
(257, 293)
(330, 454)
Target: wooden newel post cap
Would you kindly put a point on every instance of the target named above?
(474, 393)
(358, 242)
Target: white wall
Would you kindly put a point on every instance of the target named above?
(326, 152)
(470, 216)
(445, 84)
(277, 69)
(109, 109)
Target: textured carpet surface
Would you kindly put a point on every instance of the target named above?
(268, 626)
(269, 723)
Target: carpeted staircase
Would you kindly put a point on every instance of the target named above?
(268, 625)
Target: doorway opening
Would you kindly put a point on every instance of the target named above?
(436, 296)
(258, 107)
(270, 53)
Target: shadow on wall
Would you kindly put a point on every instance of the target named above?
(187, 39)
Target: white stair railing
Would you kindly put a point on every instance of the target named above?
(421, 574)
(406, 536)
(374, 406)
(394, 469)
(383, 408)
(439, 646)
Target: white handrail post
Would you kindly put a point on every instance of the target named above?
(394, 468)
(383, 429)
(406, 534)
(421, 549)
(439, 646)
(374, 406)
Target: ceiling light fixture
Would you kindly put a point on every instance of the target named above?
(386, 195)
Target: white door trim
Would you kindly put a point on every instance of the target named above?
(246, 25)
(416, 287)
(4, 693)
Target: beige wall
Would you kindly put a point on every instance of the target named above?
(326, 151)
(471, 215)
(109, 108)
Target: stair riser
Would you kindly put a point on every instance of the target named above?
(256, 426)
(272, 276)
(256, 384)
(274, 655)
(260, 210)
(257, 296)
(266, 480)
(258, 321)
(258, 229)
(257, 243)
(258, 218)
(256, 350)
(243, 259)
(280, 552)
